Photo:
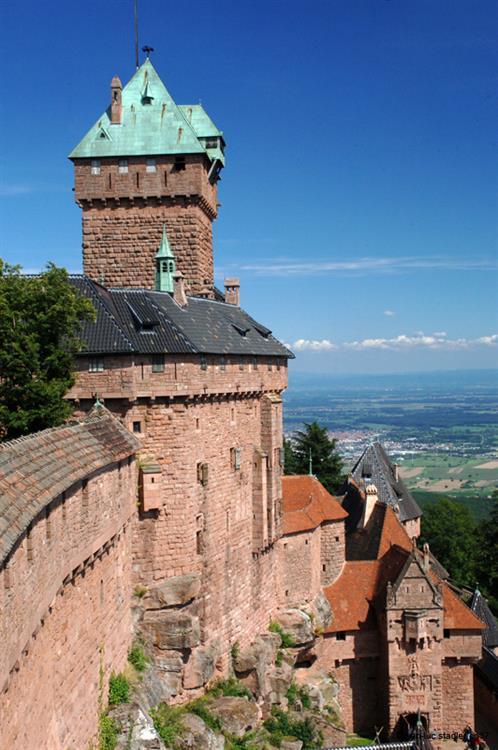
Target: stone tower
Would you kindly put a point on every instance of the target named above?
(146, 163)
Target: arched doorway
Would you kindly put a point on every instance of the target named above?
(406, 726)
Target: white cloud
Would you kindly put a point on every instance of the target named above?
(313, 345)
(387, 265)
(403, 342)
(389, 313)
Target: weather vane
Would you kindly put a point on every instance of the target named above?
(147, 50)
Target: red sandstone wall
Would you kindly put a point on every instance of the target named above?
(299, 566)
(65, 598)
(131, 377)
(458, 697)
(199, 417)
(354, 665)
(123, 216)
(333, 551)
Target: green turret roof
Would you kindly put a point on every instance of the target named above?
(165, 250)
(151, 124)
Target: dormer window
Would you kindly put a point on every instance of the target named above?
(150, 165)
(123, 166)
(95, 166)
(212, 143)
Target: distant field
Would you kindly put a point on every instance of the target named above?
(436, 472)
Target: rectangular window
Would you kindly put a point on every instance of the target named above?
(340, 636)
(255, 364)
(137, 427)
(96, 364)
(123, 166)
(223, 364)
(202, 473)
(95, 166)
(204, 365)
(179, 165)
(236, 456)
(158, 363)
(151, 165)
(270, 368)
(241, 364)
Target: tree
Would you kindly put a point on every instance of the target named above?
(487, 555)
(40, 322)
(450, 530)
(326, 462)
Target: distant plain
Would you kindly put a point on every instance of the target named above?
(442, 428)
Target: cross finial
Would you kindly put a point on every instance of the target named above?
(147, 50)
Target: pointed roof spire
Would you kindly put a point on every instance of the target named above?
(165, 250)
(165, 265)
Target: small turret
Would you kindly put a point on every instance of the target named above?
(165, 265)
(116, 100)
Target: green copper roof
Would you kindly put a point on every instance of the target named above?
(165, 265)
(165, 250)
(151, 124)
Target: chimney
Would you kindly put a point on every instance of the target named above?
(179, 289)
(371, 497)
(232, 291)
(426, 559)
(116, 108)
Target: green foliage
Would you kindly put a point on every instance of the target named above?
(200, 709)
(235, 651)
(281, 724)
(279, 658)
(450, 531)
(108, 732)
(354, 740)
(327, 464)
(298, 692)
(246, 742)
(168, 723)
(230, 687)
(286, 639)
(40, 323)
(137, 657)
(119, 689)
(140, 592)
(487, 556)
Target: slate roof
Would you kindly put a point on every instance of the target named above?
(307, 504)
(146, 129)
(480, 607)
(149, 322)
(36, 469)
(375, 467)
(487, 668)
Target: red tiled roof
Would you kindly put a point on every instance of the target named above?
(307, 504)
(393, 532)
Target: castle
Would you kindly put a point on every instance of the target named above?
(162, 506)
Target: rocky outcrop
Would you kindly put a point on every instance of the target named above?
(198, 736)
(321, 612)
(136, 729)
(236, 715)
(171, 629)
(297, 625)
(200, 666)
(173, 592)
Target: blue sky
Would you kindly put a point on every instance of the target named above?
(358, 200)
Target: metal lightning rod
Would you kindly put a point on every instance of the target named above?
(135, 4)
